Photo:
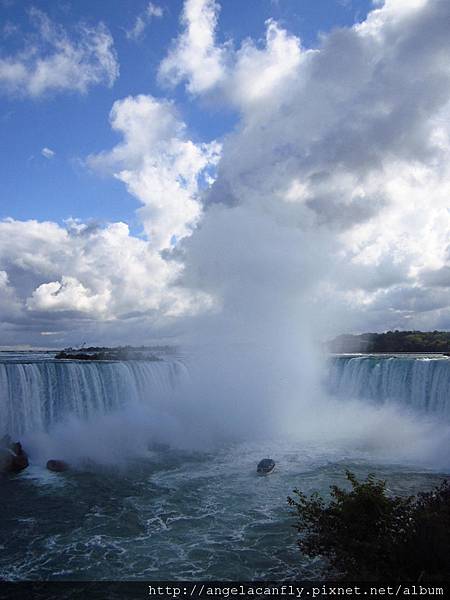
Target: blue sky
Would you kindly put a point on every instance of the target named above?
(227, 166)
(74, 125)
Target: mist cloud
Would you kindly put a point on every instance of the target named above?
(349, 155)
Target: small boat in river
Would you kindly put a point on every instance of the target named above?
(265, 466)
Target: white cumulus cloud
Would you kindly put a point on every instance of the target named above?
(67, 278)
(254, 72)
(347, 157)
(160, 165)
(195, 56)
(261, 73)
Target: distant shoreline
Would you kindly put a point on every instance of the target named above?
(392, 342)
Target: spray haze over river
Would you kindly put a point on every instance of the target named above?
(163, 482)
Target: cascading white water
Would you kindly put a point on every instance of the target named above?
(421, 384)
(36, 395)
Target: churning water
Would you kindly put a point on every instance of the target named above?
(143, 501)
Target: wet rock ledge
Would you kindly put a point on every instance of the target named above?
(13, 457)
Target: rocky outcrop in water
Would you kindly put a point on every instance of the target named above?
(107, 354)
(13, 458)
(58, 466)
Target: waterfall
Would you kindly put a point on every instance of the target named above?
(34, 395)
(38, 393)
(422, 384)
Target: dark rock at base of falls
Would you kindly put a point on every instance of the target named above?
(57, 465)
(13, 458)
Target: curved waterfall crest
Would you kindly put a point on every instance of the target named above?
(35, 395)
(422, 384)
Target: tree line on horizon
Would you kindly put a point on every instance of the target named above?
(393, 341)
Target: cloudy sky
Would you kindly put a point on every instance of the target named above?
(167, 162)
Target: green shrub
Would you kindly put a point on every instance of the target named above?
(364, 534)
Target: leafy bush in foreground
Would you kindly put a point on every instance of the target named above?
(367, 535)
